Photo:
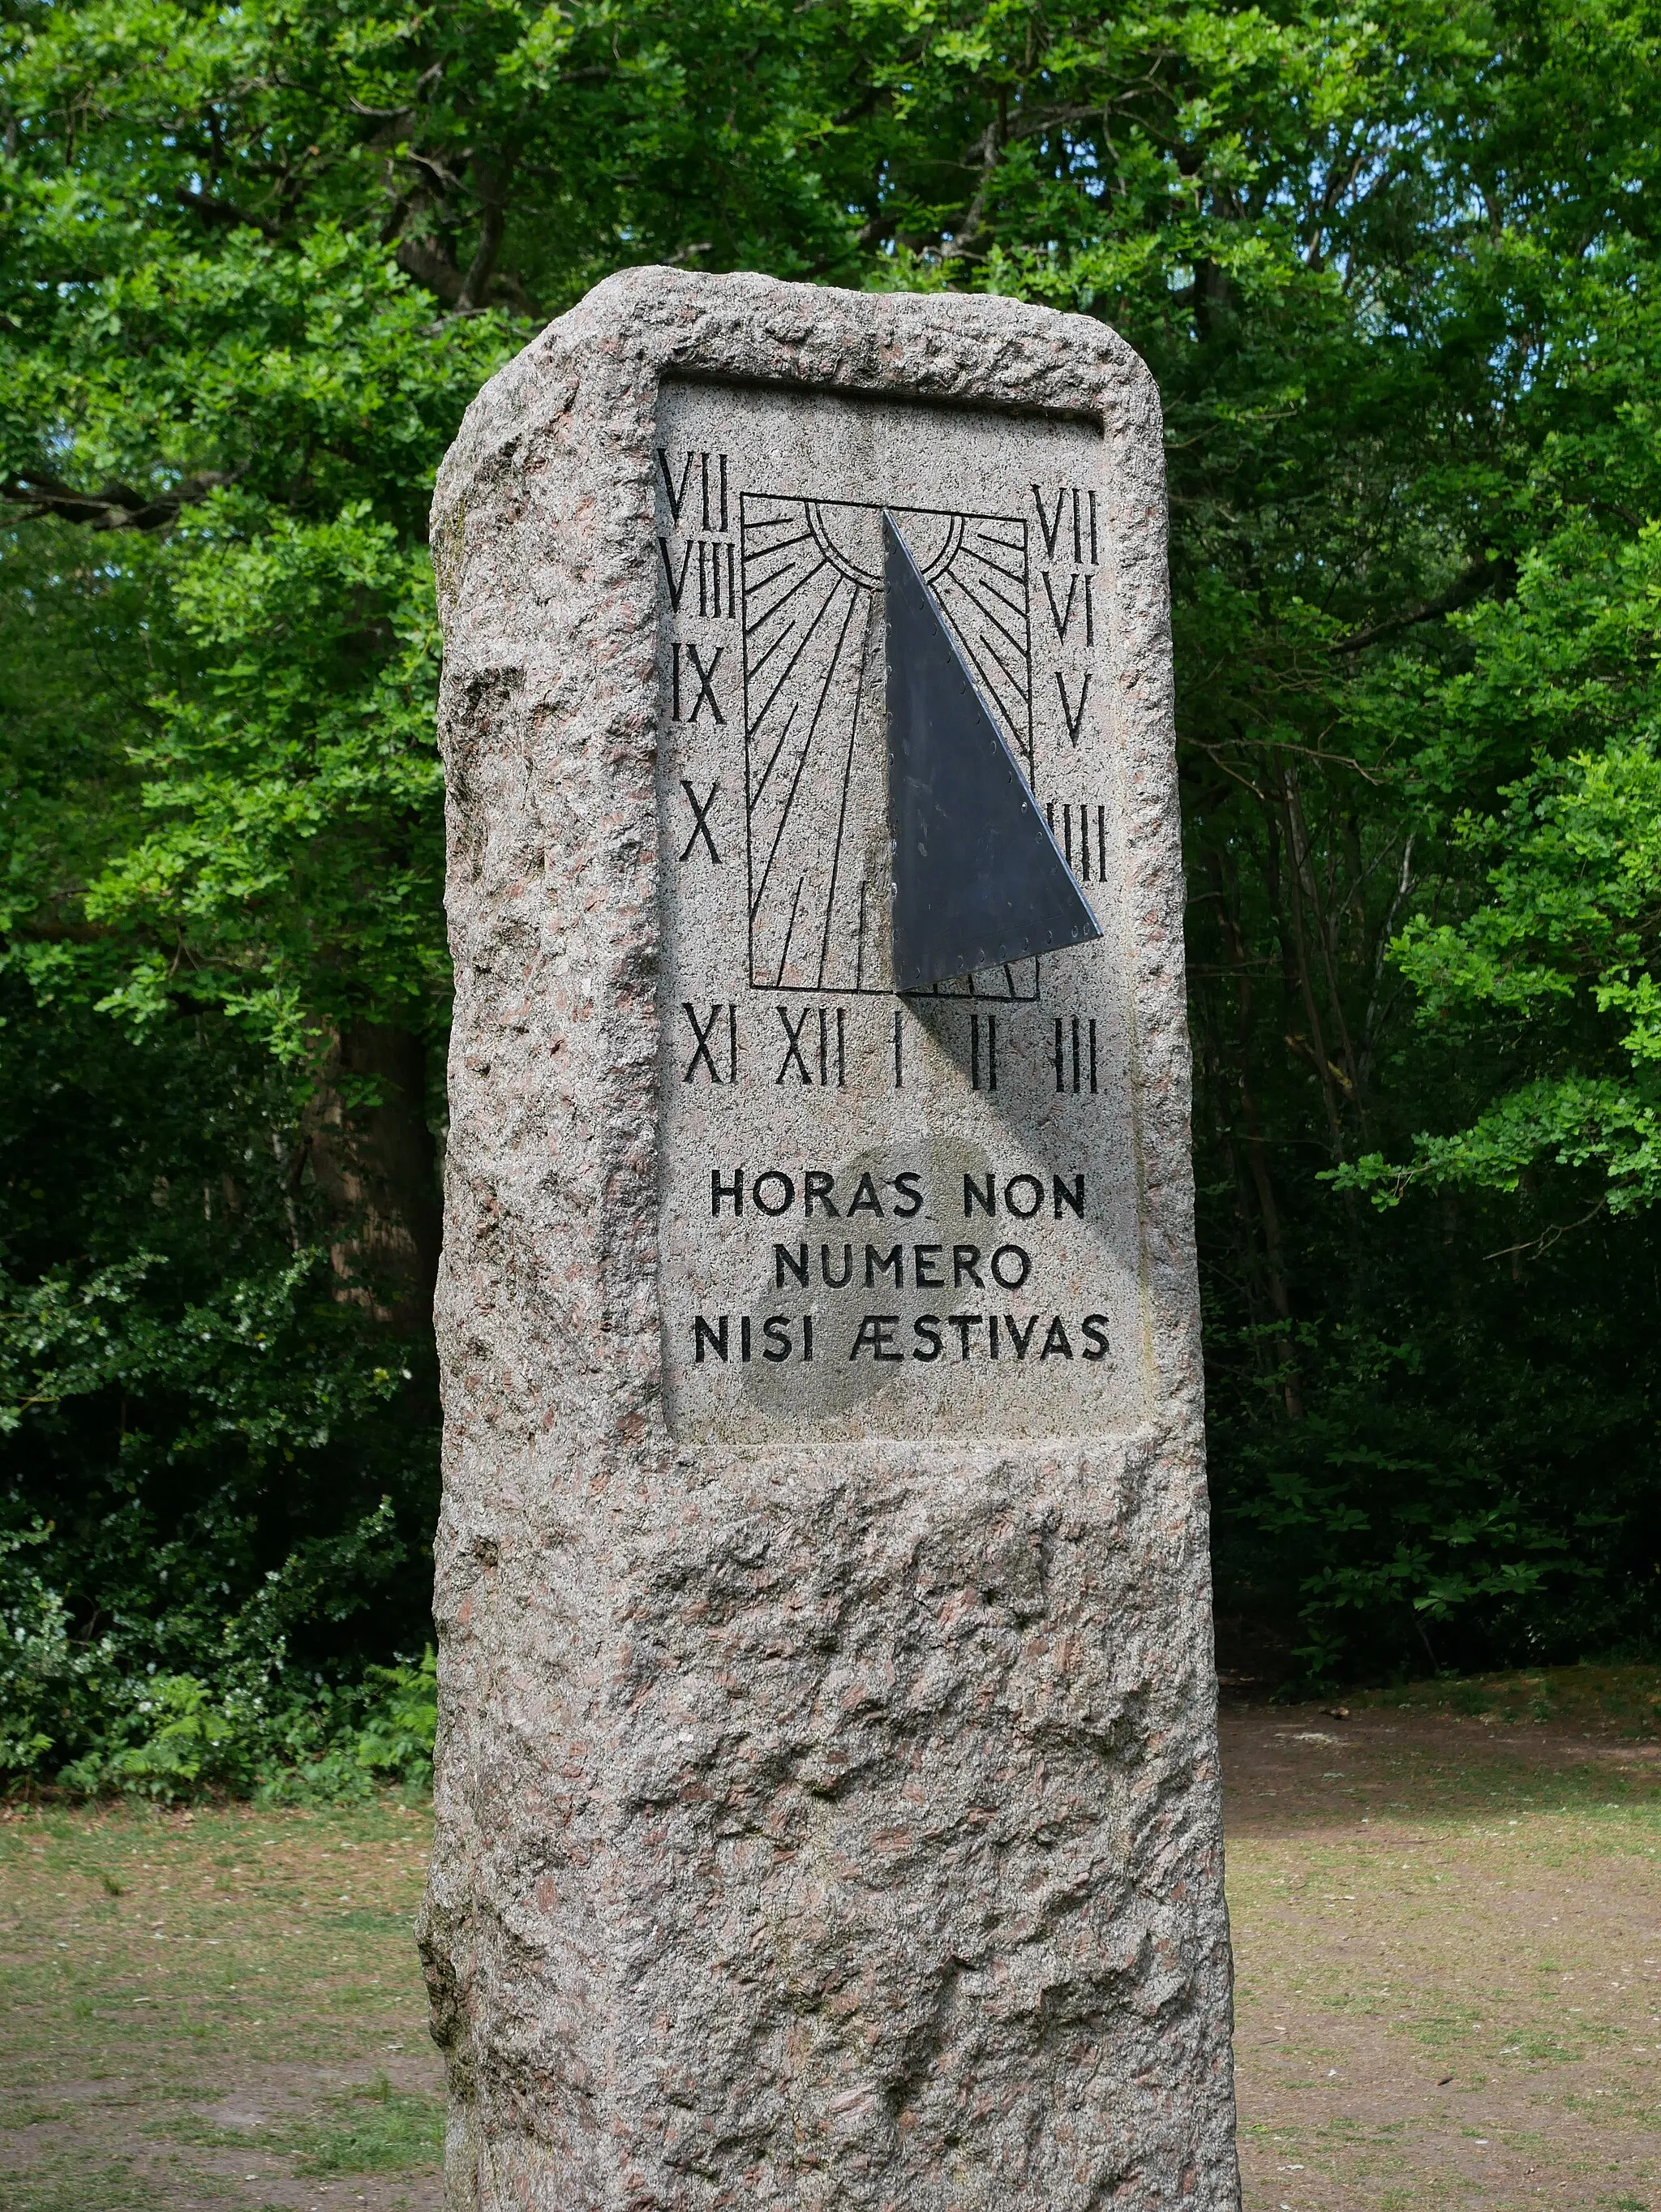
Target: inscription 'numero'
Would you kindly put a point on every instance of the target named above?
(1083, 1054)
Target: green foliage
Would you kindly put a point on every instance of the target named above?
(249, 1724)
(1395, 273)
(40, 1667)
(1554, 954)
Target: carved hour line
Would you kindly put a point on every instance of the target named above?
(899, 1048)
(810, 573)
(773, 760)
(997, 660)
(758, 584)
(836, 853)
(1017, 646)
(775, 522)
(806, 639)
(790, 926)
(700, 821)
(755, 585)
(786, 811)
(778, 646)
(1013, 576)
(798, 585)
(788, 806)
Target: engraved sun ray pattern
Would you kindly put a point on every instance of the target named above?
(814, 683)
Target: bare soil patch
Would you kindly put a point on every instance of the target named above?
(216, 2010)
(1447, 1925)
(1447, 1937)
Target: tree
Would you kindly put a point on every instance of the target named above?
(1393, 273)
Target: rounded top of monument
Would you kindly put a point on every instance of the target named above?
(642, 327)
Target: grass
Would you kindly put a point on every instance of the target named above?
(215, 2009)
(1446, 1905)
(1447, 1920)
(1619, 1701)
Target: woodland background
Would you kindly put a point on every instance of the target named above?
(1395, 273)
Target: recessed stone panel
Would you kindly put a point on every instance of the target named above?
(883, 1215)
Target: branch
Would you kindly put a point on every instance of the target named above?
(226, 212)
(1482, 576)
(117, 507)
(420, 258)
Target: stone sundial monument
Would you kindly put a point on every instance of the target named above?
(827, 1793)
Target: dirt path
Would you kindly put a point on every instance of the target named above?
(212, 2011)
(1447, 1940)
(1447, 1937)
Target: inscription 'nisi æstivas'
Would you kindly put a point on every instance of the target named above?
(780, 1338)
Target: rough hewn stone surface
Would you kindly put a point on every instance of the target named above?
(827, 1827)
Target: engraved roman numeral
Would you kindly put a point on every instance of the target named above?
(677, 584)
(700, 821)
(986, 1063)
(703, 674)
(1062, 616)
(1072, 715)
(717, 577)
(1077, 506)
(1076, 825)
(1083, 1054)
(712, 483)
(708, 1041)
(717, 581)
(799, 1039)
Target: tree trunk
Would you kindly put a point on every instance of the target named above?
(374, 1159)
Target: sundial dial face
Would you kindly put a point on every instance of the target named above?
(885, 655)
